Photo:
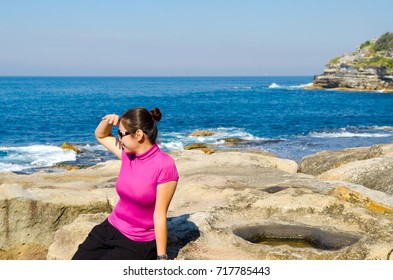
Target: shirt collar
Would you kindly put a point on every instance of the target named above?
(145, 155)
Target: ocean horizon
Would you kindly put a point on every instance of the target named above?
(274, 114)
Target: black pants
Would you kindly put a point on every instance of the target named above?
(104, 242)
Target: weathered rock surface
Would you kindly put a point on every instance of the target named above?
(371, 167)
(69, 146)
(30, 217)
(208, 149)
(198, 133)
(375, 173)
(321, 162)
(368, 68)
(33, 207)
(346, 77)
(217, 195)
(67, 238)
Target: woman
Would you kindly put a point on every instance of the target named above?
(136, 229)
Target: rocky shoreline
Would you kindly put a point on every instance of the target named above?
(369, 68)
(229, 205)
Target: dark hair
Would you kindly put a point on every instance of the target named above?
(140, 118)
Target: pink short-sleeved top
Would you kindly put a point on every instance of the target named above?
(137, 187)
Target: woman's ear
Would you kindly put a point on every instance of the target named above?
(139, 135)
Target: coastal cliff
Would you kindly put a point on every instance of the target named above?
(370, 67)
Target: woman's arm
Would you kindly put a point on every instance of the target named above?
(105, 137)
(164, 196)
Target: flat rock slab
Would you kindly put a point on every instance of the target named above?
(48, 216)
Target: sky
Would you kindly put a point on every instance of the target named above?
(183, 37)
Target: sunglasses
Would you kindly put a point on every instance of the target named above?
(122, 134)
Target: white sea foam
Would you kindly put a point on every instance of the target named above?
(386, 127)
(347, 135)
(221, 133)
(242, 87)
(11, 167)
(35, 156)
(301, 86)
(274, 85)
(361, 132)
(171, 146)
(91, 148)
(177, 141)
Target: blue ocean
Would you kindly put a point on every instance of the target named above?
(272, 114)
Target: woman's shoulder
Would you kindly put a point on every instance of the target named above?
(166, 156)
(167, 168)
(166, 159)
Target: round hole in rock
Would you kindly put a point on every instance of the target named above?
(296, 236)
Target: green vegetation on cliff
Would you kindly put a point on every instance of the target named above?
(365, 44)
(373, 56)
(335, 60)
(385, 42)
(376, 61)
(372, 53)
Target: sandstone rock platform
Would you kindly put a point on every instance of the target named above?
(46, 215)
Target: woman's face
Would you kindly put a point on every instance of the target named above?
(129, 142)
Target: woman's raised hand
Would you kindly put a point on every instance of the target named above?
(112, 119)
(104, 135)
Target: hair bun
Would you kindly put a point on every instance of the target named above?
(156, 114)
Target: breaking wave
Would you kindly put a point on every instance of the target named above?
(32, 157)
(301, 86)
(349, 132)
